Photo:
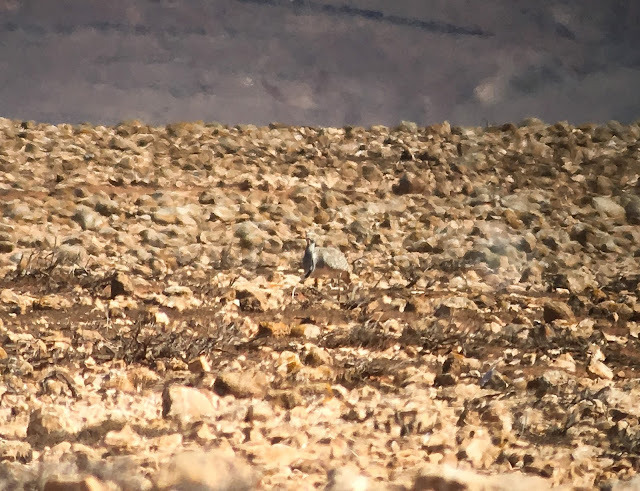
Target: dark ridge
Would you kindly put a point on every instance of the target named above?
(104, 27)
(374, 15)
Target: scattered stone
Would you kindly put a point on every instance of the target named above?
(445, 380)
(6, 246)
(512, 219)
(87, 218)
(316, 356)
(632, 211)
(17, 210)
(251, 301)
(88, 483)
(208, 197)
(51, 302)
(15, 301)
(554, 310)
(596, 365)
(409, 184)
(166, 215)
(153, 238)
(223, 213)
(249, 234)
(103, 204)
(599, 369)
(446, 477)
(607, 207)
(632, 484)
(200, 365)
(142, 377)
(193, 470)
(15, 451)
(124, 439)
(51, 424)
(372, 173)
(310, 331)
(241, 385)
(347, 478)
(187, 404)
(580, 280)
(604, 185)
(121, 284)
(275, 329)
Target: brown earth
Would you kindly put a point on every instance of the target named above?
(149, 337)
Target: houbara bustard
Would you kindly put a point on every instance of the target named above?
(324, 262)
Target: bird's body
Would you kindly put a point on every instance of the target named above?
(325, 261)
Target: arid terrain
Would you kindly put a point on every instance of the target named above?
(150, 337)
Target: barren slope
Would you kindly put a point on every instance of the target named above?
(492, 325)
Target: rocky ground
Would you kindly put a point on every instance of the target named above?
(149, 337)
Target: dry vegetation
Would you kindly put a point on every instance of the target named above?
(148, 333)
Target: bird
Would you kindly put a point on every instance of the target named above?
(324, 261)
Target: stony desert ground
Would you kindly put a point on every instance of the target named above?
(150, 337)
